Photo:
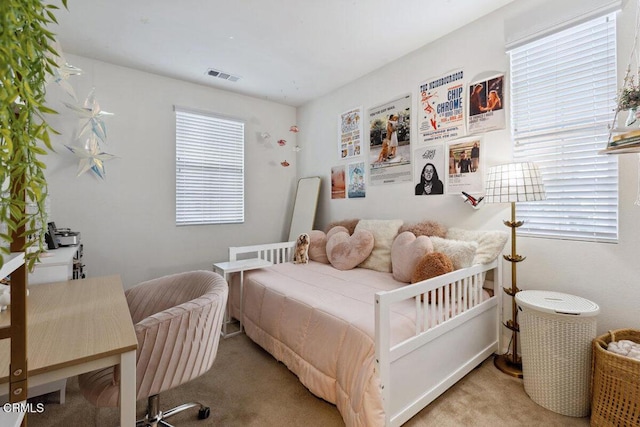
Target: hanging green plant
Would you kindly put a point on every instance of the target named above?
(26, 59)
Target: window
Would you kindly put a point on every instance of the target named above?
(209, 169)
(563, 91)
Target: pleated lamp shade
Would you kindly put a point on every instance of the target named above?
(514, 182)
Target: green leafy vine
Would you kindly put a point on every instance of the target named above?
(26, 59)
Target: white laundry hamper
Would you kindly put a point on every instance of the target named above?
(556, 331)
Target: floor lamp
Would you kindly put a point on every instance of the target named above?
(511, 183)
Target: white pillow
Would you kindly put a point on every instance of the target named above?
(384, 231)
(490, 243)
(460, 252)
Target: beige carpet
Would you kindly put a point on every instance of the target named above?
(247, 387)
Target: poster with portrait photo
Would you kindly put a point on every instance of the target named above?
(442, 103)
(486, 104)
(390, 142)
(350, 128)
(429, 170)
(356, 186)
(338, 181)
(466, 166)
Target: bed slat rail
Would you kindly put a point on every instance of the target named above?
(274, 252)
(461, 296)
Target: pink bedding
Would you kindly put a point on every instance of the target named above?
(319, 322)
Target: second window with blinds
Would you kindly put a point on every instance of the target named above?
(209, 169)
(563, 90)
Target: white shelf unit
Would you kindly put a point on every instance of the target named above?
(55, 265)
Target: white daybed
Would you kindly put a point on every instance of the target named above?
(363, 341)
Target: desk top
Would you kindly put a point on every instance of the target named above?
(242, 265)
(73, 322)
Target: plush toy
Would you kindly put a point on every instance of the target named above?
(301, 254)
(431, 265)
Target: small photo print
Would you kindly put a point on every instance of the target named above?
(357, 186)
(429, 170)
(338, 182)
(465, 166)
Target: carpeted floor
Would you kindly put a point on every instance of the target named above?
(247, 387)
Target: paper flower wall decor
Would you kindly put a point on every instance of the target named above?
(294, 129)
(282, 142)
(285, 163)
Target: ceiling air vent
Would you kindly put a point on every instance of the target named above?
(222, 75)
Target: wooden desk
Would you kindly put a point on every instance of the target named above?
(75, 327)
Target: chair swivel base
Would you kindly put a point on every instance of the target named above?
(155, 417)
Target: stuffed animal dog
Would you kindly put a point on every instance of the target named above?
(301, 254)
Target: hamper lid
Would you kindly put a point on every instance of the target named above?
(557, 302)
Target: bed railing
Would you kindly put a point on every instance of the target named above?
(273, 252)
(442, 328)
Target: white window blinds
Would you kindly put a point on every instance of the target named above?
(563, 90)
(209, 169)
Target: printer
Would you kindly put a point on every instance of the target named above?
(66, 237)
(61, 236)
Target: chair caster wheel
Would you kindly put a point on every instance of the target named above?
(204, 413)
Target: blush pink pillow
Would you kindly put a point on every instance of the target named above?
(346, 252)
(318, 246)
(407, 250)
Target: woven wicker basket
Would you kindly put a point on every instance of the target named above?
(616, 382)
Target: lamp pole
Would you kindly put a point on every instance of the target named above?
(510, 363)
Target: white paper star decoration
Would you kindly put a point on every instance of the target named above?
(62, 71)
(91, 115)
(91, 158)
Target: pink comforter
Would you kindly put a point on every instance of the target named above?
(319, 322)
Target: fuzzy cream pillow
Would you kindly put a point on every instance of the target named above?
(318, 246)
(346, 252)
(460, 252)
(384, 232)
(406, 251)
(490, 243)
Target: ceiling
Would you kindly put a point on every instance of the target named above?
(286, 51)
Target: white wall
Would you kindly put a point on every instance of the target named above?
(127, 221)
(605, 273)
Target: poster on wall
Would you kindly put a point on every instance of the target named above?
(466, 166)
(337, 182)
(441, 115)
(486, 109)
(356, 182)
(429, 170)
(390, 142)
(350, 133)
